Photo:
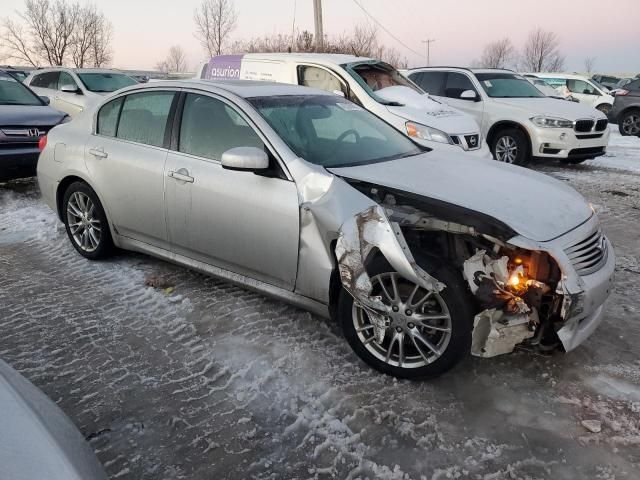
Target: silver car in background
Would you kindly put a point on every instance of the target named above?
(421, 256)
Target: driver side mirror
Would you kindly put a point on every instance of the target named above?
(70, 89)
(45, 99)
(469, 95)
(248, 159)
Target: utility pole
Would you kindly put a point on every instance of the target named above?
(317, 17)
(428, 41)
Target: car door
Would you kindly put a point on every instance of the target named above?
(240, 221)
(126, 156)
(583, 91)
(72, 102)
(45, 84)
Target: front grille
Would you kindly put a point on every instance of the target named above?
(21, 131)
(589, 136)
(588, 255)
(583, 125)
(473, 141)
(601, 124)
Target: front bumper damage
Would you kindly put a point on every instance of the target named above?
(518, 307)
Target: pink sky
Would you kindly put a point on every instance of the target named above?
(609, 31)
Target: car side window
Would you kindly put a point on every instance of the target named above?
(320, 78)
(143, 118)
(579, 86)
(431, 82)
(66, 80)
(456, 84)
(108, 118)
(45, 80)
(210, 127)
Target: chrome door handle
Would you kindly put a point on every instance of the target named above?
(182, 175)
(98, 152)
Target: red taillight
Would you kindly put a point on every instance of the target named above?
(42, 142)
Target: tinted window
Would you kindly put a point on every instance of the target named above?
(456, 84)
(105, 81)
(12, 92)
(210, 127)
(331, 131)
(431, 82)
(635, 85)
(66, 80)
(108, 118)
(144, 117)
(45, 80)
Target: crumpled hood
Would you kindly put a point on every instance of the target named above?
(553, 107)
(420, 108)
(534, 205)
(24, 115)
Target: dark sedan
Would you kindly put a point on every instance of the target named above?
(626, 109)
(24, 119)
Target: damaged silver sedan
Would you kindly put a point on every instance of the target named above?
(422, 257)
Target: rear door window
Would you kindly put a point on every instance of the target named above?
(65, 80)
(108, 118)
(144, 117)
(431, 82)
(46, 80)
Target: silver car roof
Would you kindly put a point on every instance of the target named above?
(241, 88)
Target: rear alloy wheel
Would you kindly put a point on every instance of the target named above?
(510, 146)
(629, 124)
(604, 108)
(426, 332)
(86, 222)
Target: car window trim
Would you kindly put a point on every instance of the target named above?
(446, 79)
(177, 124)
(166, 125)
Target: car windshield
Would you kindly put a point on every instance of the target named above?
(333, 132)
(374, 76)
(105, 81)
(507, 85)
(13, 92)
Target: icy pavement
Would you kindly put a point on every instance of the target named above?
(208, 381)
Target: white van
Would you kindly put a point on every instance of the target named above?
(581, 88)
(372, 84)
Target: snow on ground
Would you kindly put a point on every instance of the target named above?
(207, 380)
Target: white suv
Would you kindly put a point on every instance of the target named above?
(71, 89)
(518, 121)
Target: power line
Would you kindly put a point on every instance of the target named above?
(375, 20)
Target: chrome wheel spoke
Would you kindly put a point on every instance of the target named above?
(393, 341)
(419, 303)
(418, 336)
(384, 289)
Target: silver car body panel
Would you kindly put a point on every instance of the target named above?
(314, 216)
(38, 440)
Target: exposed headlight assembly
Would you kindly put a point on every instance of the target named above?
(422, 132)
(552, 122)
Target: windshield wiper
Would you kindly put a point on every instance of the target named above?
(103, 91)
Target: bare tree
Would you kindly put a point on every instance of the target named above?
(215, 20)
(101, 52)
(17, 43)
(83, 35)
(176, 61)
(541, 52)
(498, 54)
(364, 40)
(589, 63)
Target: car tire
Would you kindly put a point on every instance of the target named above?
(85, 222)
(629, 123)
(510, 145)
(604, 108)
(453, 345)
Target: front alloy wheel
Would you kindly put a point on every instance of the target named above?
(506, 149)
(419, 323)
(424, 334)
